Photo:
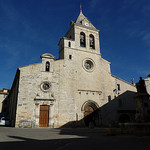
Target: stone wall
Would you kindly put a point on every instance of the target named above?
(31, 95)
(147, 83)
(13, 98)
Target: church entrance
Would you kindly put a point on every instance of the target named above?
(88, 115)
(44, 116)
(91, 115)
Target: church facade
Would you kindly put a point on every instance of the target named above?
(57, 92)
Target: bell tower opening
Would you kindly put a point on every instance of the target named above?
(92, 41)
(82, 39)
(47, 67)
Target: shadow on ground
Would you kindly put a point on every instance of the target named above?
(86, 139)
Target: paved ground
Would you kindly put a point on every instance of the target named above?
(68, 139)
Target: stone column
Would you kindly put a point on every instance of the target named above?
(37, 111)
(51, 116)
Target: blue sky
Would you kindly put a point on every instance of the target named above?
(30, 28)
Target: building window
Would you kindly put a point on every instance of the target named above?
(82, 39)
(92, 41)
(88, 64)
(118, 87)
(109, 98)
(47, 66)
(45, 86)
(70, 56)
(69, 44)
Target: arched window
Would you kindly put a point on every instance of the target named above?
(82, 39)
(47, 66)
(92, 41)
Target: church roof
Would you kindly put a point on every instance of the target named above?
(84, 21)
(80, 17)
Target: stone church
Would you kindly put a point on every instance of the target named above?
(55, 93)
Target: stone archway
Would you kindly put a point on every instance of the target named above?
(91, 113)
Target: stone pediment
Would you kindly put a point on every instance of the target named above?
(84, 21)
(48, 97)
(48, 55)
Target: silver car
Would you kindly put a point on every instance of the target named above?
(4, 121)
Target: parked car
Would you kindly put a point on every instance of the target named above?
(4, 121)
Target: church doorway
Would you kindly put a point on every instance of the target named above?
(44, 116)
(91, 113)
(88, 115)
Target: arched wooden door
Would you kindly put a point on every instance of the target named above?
(44, 116)
(88, 115)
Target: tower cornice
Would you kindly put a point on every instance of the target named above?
(90, 28)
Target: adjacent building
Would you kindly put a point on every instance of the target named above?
(3, 99)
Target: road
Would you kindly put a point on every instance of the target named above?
(68, 139)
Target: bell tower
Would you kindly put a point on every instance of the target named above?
(82, 36)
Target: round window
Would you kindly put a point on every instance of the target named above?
(88, 64)
(45, 86)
